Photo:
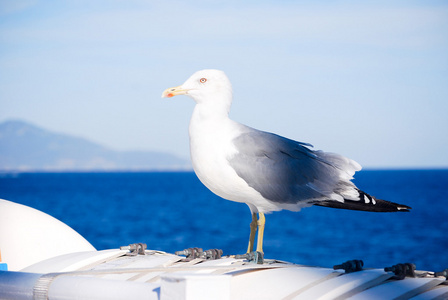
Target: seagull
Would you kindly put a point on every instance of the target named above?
(266, 171)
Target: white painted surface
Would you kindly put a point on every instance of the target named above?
(28, 236)
(187, 286)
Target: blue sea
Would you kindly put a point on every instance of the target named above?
(174, 211)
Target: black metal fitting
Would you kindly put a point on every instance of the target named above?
(190, 253)
(135, 249)
(443, 273)
(350, 266)
(254, 256)
(402, 270)
(212, 254)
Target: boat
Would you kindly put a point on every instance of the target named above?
(43, 258)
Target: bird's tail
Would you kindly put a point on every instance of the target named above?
(365, 203)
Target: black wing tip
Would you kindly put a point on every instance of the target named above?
(402, 207)
(377, 205)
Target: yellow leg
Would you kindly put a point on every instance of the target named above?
(261, 222)
(253, 229)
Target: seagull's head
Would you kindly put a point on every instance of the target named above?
(203, 86)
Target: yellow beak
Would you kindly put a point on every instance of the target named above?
(174, 91)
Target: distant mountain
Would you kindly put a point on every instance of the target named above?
(25, 147)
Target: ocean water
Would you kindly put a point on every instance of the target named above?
(174, 211)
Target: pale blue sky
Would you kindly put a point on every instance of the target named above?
(368, 79)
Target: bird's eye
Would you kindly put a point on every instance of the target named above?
(203, 80)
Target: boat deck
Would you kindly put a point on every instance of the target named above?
(113, 274)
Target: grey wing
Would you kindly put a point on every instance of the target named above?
(286, 171)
